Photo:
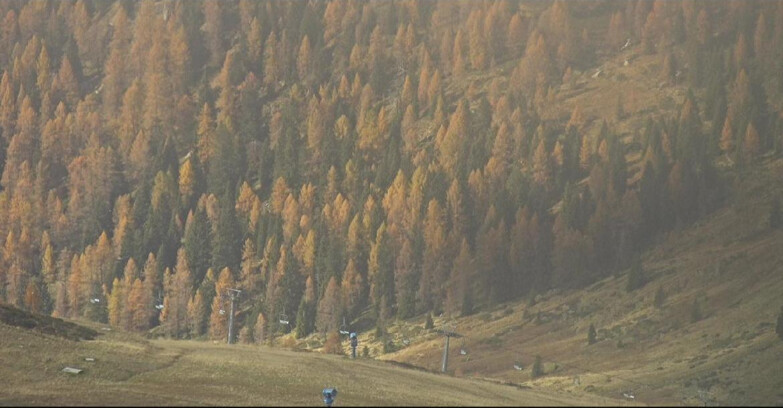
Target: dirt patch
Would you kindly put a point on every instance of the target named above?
(45, 324)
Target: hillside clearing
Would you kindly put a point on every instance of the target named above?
(129, 370)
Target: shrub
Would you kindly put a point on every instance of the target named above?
(289, 342)
(591, 334)
(388, 347)
(531, 298)
(428, 325)
(245, 335)
(537, 370)
(636, 278)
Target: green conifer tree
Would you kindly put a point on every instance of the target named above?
(537, 370)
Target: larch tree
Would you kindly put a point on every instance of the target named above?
(218, 322)
(206, 134)
(304, 61)
(259, 334)
(727, 137)
(197, 314)
(130, 275)
(179, 60)
(76, 285)
(67, 84)
(115, 78)
(33, 298)
(751, 145)
(250, 273)
(116, 303)
(213, 29)
(542, 168)
(271, 61)
(452, 150)
(136, 306)
(255, 45)
(434, 264)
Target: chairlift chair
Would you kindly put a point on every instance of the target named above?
(344, 327)
(462, 350)
(283, 318)
(159, 301)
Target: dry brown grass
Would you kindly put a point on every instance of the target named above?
(131, 370)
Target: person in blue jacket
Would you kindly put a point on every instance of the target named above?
(329, 395)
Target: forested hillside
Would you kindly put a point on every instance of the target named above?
(329, 158)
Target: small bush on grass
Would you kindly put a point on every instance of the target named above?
(537, 370)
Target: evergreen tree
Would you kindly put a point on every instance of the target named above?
(636, 278)
(537, 370)
(591, 335)
(227, 241)
(197, 244)
(329, 308)
(779, 326)
(303, 319)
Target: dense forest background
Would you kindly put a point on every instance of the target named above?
(337, 158)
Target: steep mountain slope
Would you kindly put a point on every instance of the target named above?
(729, 263)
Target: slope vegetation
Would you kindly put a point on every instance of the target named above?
(721, 350)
